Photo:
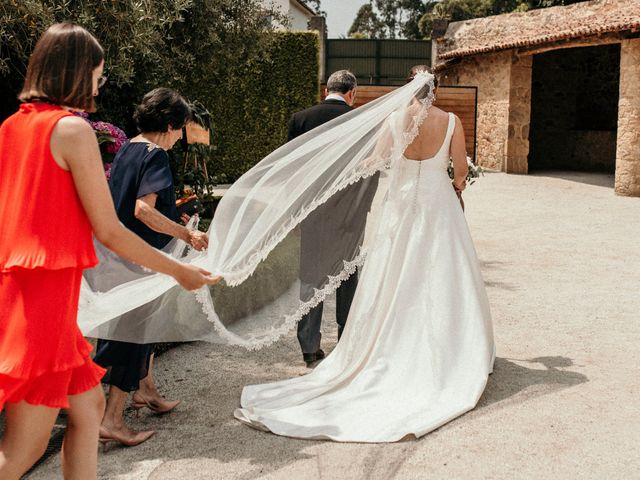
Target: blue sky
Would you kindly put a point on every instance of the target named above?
(340, 15)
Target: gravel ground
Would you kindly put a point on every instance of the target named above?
(560, 257)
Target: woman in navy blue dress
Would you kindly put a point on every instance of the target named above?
(143, 193)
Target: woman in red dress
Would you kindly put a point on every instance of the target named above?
(50, 163)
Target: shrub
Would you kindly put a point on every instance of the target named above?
(222, 53)
(131, 32)
(273, 86)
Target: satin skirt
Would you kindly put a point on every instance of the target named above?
(418, 344)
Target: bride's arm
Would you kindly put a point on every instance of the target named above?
(459, 157)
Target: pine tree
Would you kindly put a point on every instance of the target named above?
(366, 24)
(389, 19)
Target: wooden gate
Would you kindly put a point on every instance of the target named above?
(463, 101)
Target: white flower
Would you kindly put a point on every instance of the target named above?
(475, 171)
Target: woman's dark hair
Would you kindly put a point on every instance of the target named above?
(160, 109)
(424, 92)
(61, 67)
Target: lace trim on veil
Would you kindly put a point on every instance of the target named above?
(235, 278)
(270, 336)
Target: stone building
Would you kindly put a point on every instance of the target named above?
(558, 88)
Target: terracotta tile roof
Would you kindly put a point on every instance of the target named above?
(536, 27)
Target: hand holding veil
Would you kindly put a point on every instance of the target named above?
(284, 236)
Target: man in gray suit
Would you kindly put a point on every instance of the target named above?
(341, 91)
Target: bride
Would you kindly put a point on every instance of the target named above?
(418, 345)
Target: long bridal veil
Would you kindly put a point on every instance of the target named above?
(284, 236)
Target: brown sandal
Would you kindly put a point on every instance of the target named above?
(136, 438)
(138, 402)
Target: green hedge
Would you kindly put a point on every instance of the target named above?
(285, 80)
(133, 34)
(222, 53)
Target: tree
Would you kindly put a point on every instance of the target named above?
(389, 19)
(116, 23)
(400, 17)
(453, 11)
(413, 12)
(317, 7)
(366, 24)
(147, 43)
(223, 53)
(413, 19)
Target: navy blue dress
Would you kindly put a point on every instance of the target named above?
(139, 169)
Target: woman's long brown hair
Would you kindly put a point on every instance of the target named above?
(61, 67)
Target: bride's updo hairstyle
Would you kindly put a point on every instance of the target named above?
(160, 109)
(423, 92)
(61, 68)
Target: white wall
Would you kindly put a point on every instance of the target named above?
(298, 16)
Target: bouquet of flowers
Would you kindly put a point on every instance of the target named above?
(475, 171)
(110, 138)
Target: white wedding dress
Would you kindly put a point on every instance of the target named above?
(418, 344)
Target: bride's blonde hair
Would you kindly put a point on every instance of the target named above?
(424, 92)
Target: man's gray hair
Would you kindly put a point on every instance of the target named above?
(342, 81)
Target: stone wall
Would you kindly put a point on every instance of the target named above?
(492, 75)
(575, 123)
(519, 115)
(628, 145)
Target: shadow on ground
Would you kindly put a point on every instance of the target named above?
(492, 267)
(511, 376)
(206, 432)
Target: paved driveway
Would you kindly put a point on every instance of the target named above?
(561, 259)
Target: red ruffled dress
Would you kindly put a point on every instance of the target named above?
(45, 243)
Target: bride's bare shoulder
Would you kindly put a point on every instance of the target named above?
(438, 112)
